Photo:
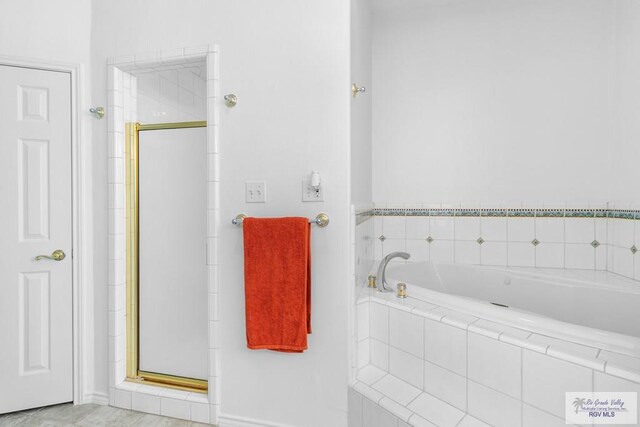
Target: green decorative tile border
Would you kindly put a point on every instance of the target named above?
(364, 216)
(511, 213)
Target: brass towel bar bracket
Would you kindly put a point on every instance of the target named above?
(321, 220)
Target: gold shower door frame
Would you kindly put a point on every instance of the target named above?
(132, 242)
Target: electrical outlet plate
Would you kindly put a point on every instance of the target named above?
(310, 194)
(255, 191)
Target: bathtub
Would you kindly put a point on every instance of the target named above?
(592, 308)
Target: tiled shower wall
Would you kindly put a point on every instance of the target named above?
(173, 95)
(594, 238)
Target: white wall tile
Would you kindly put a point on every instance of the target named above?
(546, 379)
(520, 229)
(579, 230)
(441, 228)
(379, 353)
(122, 399)
(533, 417)
(175, 408)
(466, 252)
(407, 367)
(604, 382)
(419, 250)
(483, 402)
(467, 228)
(362, 321)
(407, 332)
(579, 256)
(377, 226)
(379, 321)
(200, 412)
(521, 254)
(417, 227)
(622, 232)
(493, 253)
(375, 416)
(393, 245)
(601, 226)
(354, 404)
(494, 229)
(550, 230)
(442, 251)
(621, 261)
(494, 364)
(550, 255)
(145, 403)
(602, 257)
(393, 227)
(446, 346)
(445, 385)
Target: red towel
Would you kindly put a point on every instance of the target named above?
(277, 283)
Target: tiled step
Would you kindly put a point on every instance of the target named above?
(409, 404)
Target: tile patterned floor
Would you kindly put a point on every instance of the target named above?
(88, 416)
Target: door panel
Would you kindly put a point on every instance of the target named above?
(36, 355)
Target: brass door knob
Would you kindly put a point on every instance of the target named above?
(57, 255)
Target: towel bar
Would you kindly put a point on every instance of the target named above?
(321, 220)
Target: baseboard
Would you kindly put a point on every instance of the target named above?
(226, 420)
(97, 398)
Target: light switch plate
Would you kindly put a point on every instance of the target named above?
(310, 194)
(255, 191)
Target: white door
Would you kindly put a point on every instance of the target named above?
(36, 357)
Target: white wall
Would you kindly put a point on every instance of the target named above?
(623, 187)
(288, 63)
(494, 100)
(60, 32)
(361, 71)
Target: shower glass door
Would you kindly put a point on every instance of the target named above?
(166, 254)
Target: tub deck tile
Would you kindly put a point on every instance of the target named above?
(497, 330)
(420, 307)
(370, 374)
(397, 389)
(454, 318)
(371, 394)
(417, 421)
(622, 360)
(441, 413)
(469, 421)
(570, 352)
(396, 409)
(622, 372)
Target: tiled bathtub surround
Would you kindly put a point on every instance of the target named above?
(601, 238)
(428, 365)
